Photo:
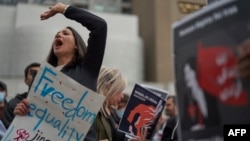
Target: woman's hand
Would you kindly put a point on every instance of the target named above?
(53, 10)
(22, 108)
(244, 59)
(143, 135)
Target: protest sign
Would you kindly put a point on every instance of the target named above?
(211, 1)
(60, 109)
(159, 92)
(143, 111)
(209, 90)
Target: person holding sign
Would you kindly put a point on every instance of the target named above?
(29, 73)
(244, 59)
(111, 83)
(70, 54)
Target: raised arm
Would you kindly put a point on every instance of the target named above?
(97, 37)
(97, 27)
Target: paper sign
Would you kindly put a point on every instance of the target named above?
(60, 109)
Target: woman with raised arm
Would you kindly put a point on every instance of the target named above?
(70, 54)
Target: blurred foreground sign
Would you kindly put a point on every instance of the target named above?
(209, 90)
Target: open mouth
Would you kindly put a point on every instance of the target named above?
(58, 42)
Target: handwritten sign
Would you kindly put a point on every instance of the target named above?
(60, 109)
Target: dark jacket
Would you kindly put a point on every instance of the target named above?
(170, 130)
(86, 72)
(9, 109)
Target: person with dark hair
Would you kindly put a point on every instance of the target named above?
(29, 73)
(69, 53)
(170, 127)
(3, 95)
(3, 102)
(3, 88)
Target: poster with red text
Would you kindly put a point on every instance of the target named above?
(209, 90)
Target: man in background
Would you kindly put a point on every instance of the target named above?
(171, 111)
(29, 73)
(3, 95)
(170, 127)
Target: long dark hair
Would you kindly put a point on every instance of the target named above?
(79, 54)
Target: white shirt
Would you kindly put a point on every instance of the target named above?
(59, 67)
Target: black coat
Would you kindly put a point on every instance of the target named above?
(9, 109)
(85, 71)
(170, 130)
